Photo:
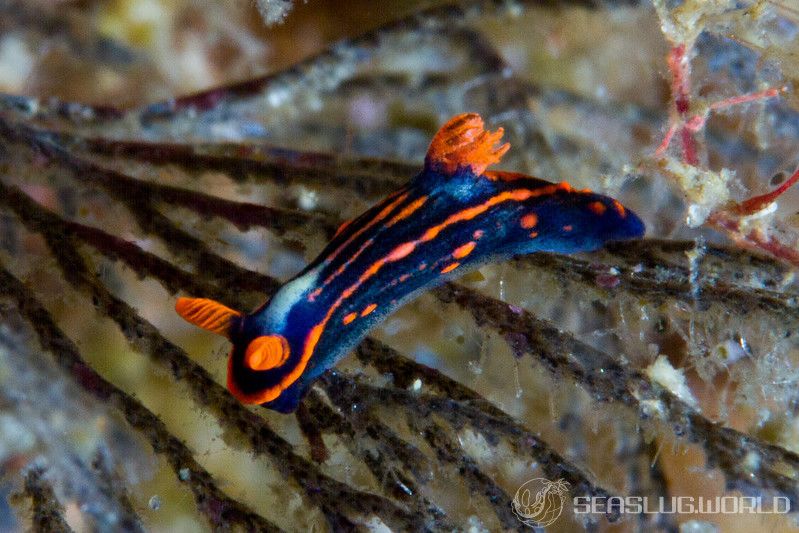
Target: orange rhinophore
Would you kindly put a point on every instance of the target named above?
(207, 314)
(462, 142)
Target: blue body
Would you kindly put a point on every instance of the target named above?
(565, 224)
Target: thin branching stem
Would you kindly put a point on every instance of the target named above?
(221, 510)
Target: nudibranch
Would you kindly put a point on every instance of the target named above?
(452, 217)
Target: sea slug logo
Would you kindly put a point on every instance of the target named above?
(539, 502)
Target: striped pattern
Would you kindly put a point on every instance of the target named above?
(449, 219)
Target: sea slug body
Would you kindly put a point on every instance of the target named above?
(452, 217)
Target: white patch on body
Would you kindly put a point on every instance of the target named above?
(289, 294)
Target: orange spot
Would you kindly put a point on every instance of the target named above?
(619, 208)
(266, 352)
(598, 208)
(450, 268)
(407, 211)
(207, 314)
(565, 186)
(403, 250)
(533, 234)
(368, 309)
(349, 318)
(462, 251)
(463, 142)
(529, 221)
(478, 233)
(422, 266)
(310, 344)
(568, 228)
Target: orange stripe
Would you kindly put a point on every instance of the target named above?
(408, 211)
(340, 270)
(369, 308)
(405, 213)
(349, 318)
(341, 228)
(380, 216)
(233, 387)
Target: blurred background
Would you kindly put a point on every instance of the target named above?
(666, 368)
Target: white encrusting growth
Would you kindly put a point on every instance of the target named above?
(671, 378)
